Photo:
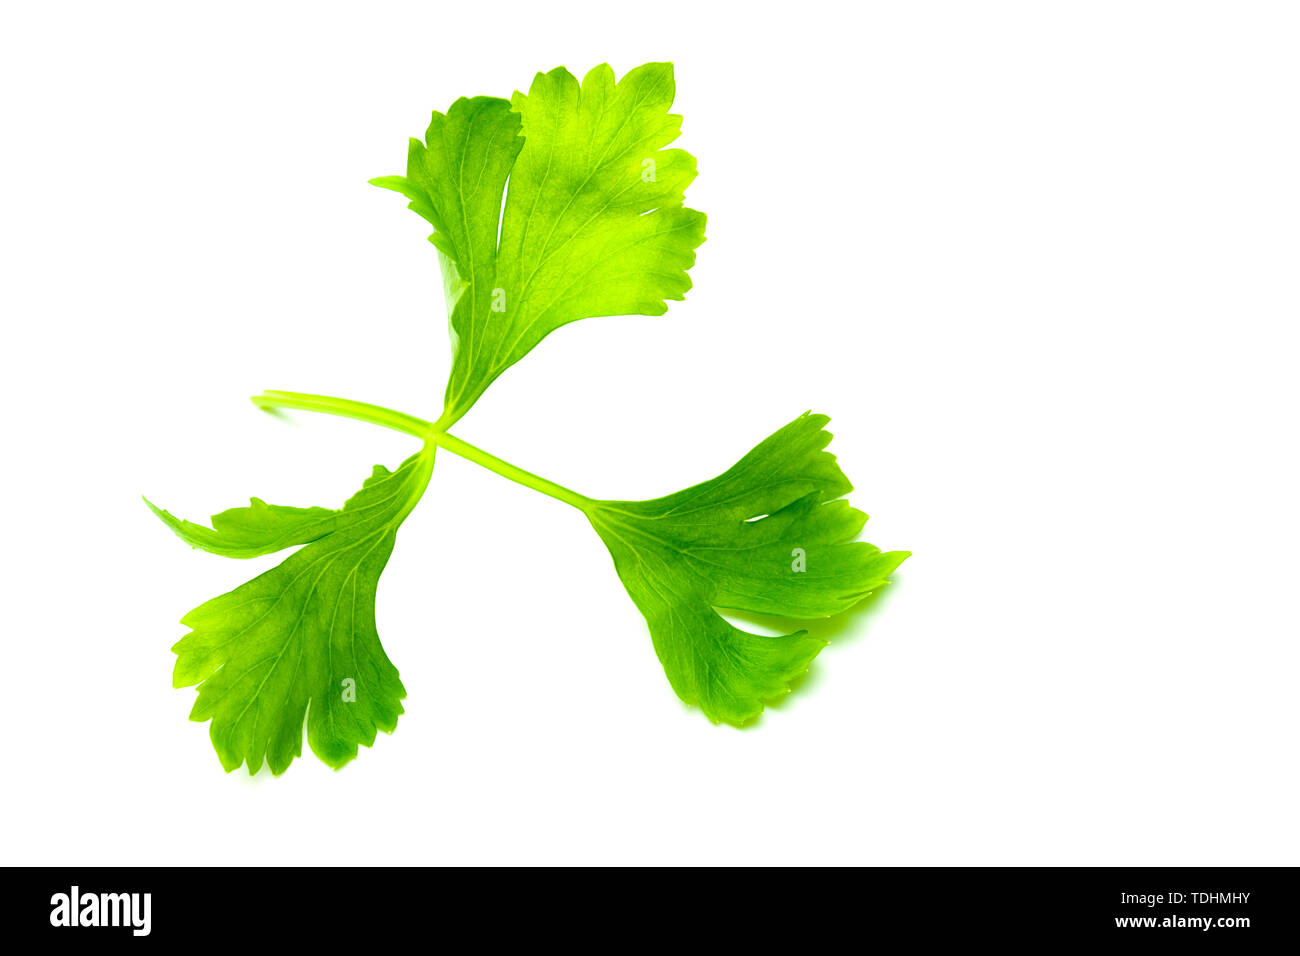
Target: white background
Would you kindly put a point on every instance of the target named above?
(1038, 261)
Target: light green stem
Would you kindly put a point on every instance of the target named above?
(346, 408)
(426, 431)
(503, 468)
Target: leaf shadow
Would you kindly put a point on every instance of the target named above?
(279, 414)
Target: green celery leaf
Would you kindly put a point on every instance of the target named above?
(300, 640)
(455, 182)
(256, 530)
(593, 224)
(772, 535)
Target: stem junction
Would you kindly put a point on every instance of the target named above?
(429, 432)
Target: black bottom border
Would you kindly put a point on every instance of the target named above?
(1222, 907)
